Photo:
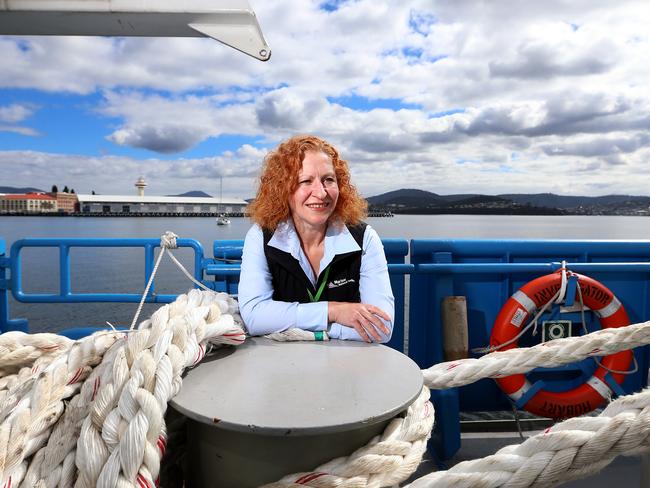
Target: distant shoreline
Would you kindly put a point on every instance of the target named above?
(132, 214)
(481, 211)
(505, 212)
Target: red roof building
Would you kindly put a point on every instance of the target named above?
(27, 203)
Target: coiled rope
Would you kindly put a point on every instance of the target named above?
(29, 410)
(110, 431)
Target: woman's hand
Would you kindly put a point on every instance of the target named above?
(362, 317)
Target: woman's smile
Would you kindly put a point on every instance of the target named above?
(318, 206)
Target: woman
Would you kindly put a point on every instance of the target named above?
(309, 261)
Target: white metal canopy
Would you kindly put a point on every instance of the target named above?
(231, 22)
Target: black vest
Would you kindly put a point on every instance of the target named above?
(290, 284)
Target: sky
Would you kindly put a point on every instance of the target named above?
(455, 96)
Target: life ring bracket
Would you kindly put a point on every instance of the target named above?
(613, 385)
(530, 393)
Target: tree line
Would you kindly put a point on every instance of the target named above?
(55, 189)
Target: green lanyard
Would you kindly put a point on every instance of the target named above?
(320, 288)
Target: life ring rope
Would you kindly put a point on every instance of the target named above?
(530, 307)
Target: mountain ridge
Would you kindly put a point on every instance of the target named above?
(193, 193)
(14, 189)
(397, 197)
(411, 201)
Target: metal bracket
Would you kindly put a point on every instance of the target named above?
(231, 22)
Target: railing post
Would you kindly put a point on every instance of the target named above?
(64, 270)
(6, 324)
(149, 260)
(396, 251)
(446, 436)
(4, 299)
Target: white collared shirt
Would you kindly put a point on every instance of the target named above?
(263, 315)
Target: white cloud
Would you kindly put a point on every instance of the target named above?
(23, 131)
(115, 174)
(166, 139)
(14, 113)
(170, 125)
(10, 115)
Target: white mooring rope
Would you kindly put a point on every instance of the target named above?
(117, 387)
(547, 354)
(573, 449)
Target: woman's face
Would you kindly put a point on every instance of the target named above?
(315, 198)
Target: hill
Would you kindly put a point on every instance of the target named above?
(413, 197)
(13, 189)
(409, 196)
(193, 193)
(411, 201)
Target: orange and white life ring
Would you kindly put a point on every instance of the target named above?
(525, 303)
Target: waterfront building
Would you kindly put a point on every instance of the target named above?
(66, 202)
(27, 203)
(157, 205)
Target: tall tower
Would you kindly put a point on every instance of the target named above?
(140, 184)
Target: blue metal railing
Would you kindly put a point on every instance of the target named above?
(6, 323)
(66, 295)
(511, 268)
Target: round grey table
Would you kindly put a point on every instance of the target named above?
(266, 409)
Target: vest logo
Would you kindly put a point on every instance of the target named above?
(341, 282)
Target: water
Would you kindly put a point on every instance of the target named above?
(122, 270)
(405, 226)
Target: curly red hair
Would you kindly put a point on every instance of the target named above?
(279, 180)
